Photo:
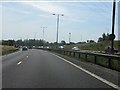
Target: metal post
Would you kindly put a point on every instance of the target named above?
(57, 25)
(79, 54)
(109, 63)
(86, 57)
(43, 33)
(95, 59)
(57, 28)
(113, 24)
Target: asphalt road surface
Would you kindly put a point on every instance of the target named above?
(42, 69)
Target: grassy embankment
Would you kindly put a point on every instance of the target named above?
(4, 49)
(98, 47)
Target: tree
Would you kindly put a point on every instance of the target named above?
(72, 43)
(91, 41)
(87, 41)
(63, 42)
(104, 36)
(108, 36)
(100, 39)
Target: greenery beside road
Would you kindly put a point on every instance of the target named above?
(99, 46)
(4, 49)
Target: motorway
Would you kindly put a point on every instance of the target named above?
(42, 69)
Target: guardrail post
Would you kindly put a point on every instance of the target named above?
(74, 54)
(109, 63)
(64, 52)
(86, 57)
(67, 53)
(79, 54)
(95, 59)
(70, 53)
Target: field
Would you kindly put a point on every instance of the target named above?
(7, 49)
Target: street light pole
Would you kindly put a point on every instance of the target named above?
(57, 27)
(58, 16)
(112, 36)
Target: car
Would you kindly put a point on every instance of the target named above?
(30, 47)
(109, 49)
(24, 48)
(61, 47)
(75, 49)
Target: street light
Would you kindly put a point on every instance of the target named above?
(112, 36)
(58, 15)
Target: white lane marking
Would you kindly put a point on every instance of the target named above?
(19, 62)
(88, 72)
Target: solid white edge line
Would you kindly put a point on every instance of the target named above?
(88, 72)
(19, 62)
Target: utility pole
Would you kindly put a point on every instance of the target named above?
(112, 36)
(43, 34)
(43, 31)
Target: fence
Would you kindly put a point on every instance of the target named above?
(109, 61)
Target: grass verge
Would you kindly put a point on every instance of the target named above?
(4, 49)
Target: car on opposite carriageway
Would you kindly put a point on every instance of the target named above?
(24, 48)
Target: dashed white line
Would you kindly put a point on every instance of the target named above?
(88, 72)
(19, 62)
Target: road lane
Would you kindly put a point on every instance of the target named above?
(41, 69)
(12, 59)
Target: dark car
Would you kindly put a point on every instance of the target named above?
(24, 49)
(109, 49)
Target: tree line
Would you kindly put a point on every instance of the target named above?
(26, 42)
(34, 42)
(105, 37)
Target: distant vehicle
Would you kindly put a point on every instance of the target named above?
(40, 47)
(30, 47)
(61, 47)
(24, 48)
(109, 49)
(75, 49)
(47, 47)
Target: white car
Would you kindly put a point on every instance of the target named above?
(61, 47)
(75, 49)
(47, 47)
